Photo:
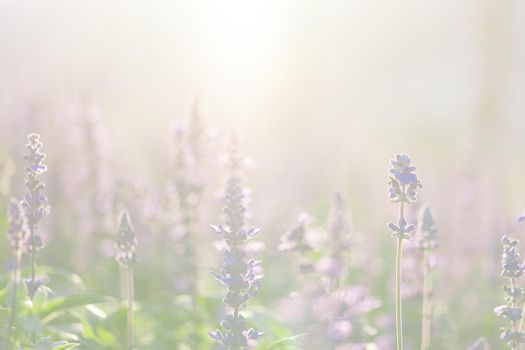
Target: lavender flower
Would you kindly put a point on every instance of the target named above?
(295, 240)
(94, 204)
(339, 225)
(512, 268)
(186, 156)
(126, 241)
(35, 202)
(17, 232)
(196, 132)
(403, 190)
(94, 187)
(339, 317)
(426, 236)
(239, 274)
(339, 230)
(338, 311)
(403, 182)
(185, 192)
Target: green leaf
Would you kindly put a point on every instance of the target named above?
(288, 342)
(46, 344)
(69, 302)
(21, 293)
(62, 275)
(42, 296)
(66, 346)
(32, 324)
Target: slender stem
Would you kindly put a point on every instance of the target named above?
(190, 246)
(399, 319)
(514, 345)
(426, 323)
(123, 276)
(399, 256)
(130, 290)
(13, 301)
(235, 317)
(189, 255)
(33, 271)
(522, 321)
(335, 284)
(33, 260)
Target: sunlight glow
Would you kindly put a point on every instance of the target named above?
(241, 46)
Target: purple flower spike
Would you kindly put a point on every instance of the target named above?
(403, 182)
(239, 274)
(512, 269)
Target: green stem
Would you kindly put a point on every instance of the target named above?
(130, 290)
(190, 246)
(515, 346)
(399, 257)
(14, 300)
(522, 321)
(33, 272)
(33, 261)
(236, 317)
(399, 319)
(426, 323)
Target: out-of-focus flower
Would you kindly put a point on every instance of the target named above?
(296, 237)
(337, 311)
(126, 241)
(427, 232)
(338, 240)
(18, 230)
(339, 330)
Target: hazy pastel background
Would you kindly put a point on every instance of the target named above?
(321, 94)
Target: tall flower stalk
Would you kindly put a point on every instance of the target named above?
(35, 206)
(512, 268)
(403, 190)
(426, 242)
(94, 184)
(34, 203)
(17, 234)
(181, 158)
(339, 232)
(186, 159)
(238, 273)
(127, 257)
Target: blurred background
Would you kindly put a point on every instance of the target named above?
(321, 97)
